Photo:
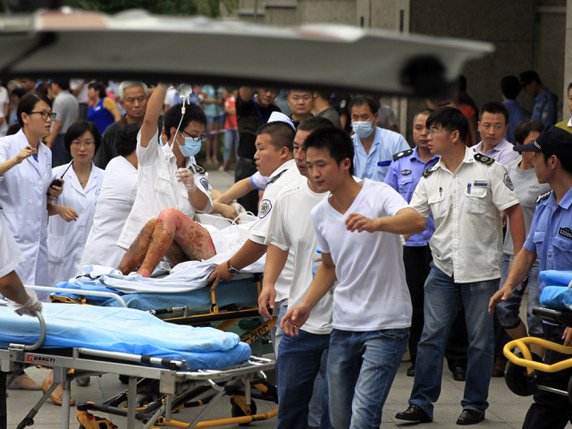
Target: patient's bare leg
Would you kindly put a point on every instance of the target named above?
(138, 249)
(173, 226)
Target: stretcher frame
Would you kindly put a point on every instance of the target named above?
(521, 372)
(77, 362)
(225, 318)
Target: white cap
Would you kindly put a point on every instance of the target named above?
(281, 117)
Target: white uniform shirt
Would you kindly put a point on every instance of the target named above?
(114, 203)
(291, 229)
(371, 293)
(158, 188)
(66, 240)
(23, 199)
(466, 206)
(285, 174)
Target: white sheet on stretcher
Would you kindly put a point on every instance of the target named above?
(186, 276)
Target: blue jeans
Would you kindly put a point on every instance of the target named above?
(443, 298)
(299, 361)
(230, 139)
(508, 311)
(361, 369)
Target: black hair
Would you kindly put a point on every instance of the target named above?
(524, 128)
(127, 142)
(315, 123)
(27, 104)
(13, 129)
(495, 107)
(451, 119)
(529, 76)
(569, 87)
(371, 102)
(62, 83)
(77, 129)
(99, 87)
(172, 117)
(326, 95)
(282, 134)
(425, 111)
(335, 141)
(510, 87)
(18, 92)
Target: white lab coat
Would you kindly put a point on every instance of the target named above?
(113, 206)
(23, 199)
(66, 240)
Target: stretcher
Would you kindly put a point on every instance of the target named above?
(524, 371)
(177, 380)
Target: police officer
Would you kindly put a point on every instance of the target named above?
(465, 193)
(550, 239)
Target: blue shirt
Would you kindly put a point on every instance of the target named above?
(516, 114)
(374, 165)
(403, 175)
(544, 109)
(550, 235)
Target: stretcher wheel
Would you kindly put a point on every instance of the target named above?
(237, 411)
(518, 380)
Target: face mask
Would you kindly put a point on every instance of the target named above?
(362, 128)
(191, 147)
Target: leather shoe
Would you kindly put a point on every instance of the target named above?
(459, 373)
(414, 413)
(470, 417)
(410, 371)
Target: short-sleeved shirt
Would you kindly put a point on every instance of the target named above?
(503, 152)
(403, 175)
(283, 176)
(466, 206)
(371, 293)
(550, 235)
(291, 229)
(374, 165)
(258, 181)
(158, 188)
(66, 107)
(527, 189)
(250, 116)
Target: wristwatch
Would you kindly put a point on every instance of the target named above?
(231, 269)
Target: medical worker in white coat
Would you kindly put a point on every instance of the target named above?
(75, 207)
(25, 177)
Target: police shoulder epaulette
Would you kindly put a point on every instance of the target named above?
(543, 197)
(275, 178)
(429, 170)
(402, 154)
(484, 159)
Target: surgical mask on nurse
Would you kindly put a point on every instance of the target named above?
(191, 147)
(362, 128)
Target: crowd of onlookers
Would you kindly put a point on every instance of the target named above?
(110, 174)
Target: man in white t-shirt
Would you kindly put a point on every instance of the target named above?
(299, 358)
(358, 229)
(273, 158)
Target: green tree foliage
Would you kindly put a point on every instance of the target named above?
(160, 7)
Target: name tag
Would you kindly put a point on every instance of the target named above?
(384, 163)
(482, 183)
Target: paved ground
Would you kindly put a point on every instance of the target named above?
(506, 409)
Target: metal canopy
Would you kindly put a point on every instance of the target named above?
(137, 45)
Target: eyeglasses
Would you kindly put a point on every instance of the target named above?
(86, 143)
(433, 131)
(45, 115)
(202, 137)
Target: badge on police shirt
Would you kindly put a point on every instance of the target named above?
(204, 183)
(508, 182)
(265, 207)
(405, 172)
(565, 232)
